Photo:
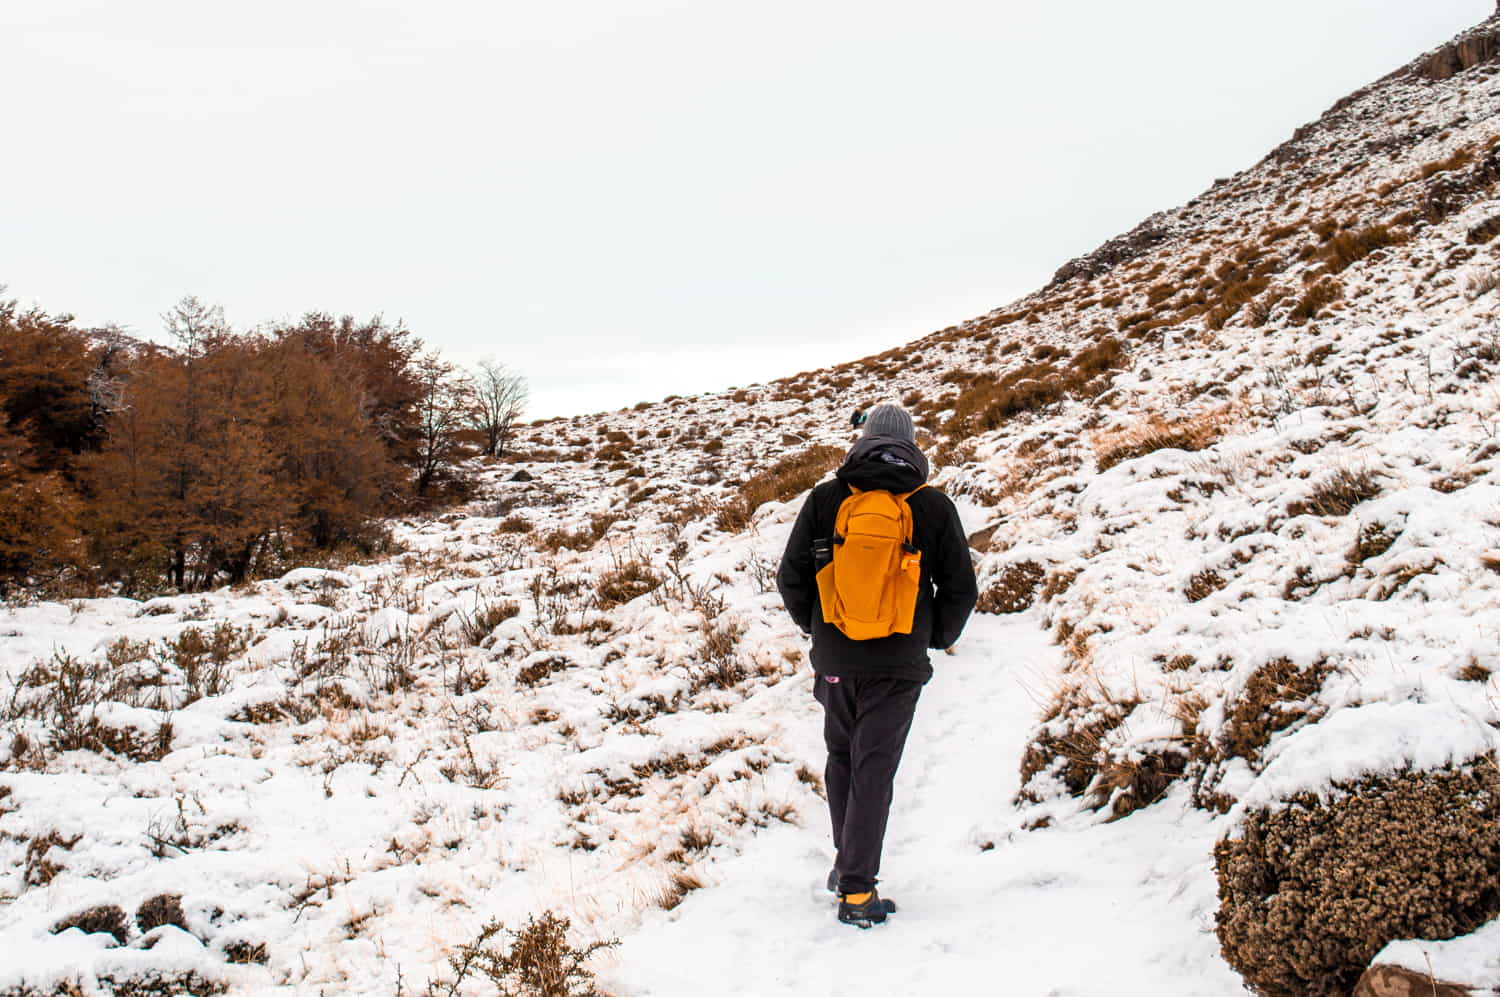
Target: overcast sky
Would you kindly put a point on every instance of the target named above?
(629, 199)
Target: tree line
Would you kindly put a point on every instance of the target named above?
(227, 454)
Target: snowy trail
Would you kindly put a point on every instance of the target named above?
(1080, 908)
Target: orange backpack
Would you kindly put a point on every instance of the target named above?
(869, 589)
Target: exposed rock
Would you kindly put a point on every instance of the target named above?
(1465, 52)
(980, 540)
(1394, 981)
(1485, 231)
(1121, 249)
(523, 475)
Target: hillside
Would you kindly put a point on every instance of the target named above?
(1229, 707)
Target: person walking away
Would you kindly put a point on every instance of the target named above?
(877, 570)
(858, 418)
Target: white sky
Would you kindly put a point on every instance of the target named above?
(626, 200)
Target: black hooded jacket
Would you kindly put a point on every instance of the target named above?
(948, 589)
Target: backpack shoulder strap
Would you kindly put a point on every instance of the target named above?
(913, 491)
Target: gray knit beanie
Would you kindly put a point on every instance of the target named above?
(890, 420)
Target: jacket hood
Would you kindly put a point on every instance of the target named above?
(886, 462)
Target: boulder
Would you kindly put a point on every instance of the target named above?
(1396, 981)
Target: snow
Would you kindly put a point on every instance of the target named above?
(1080, 908)
(1472, 960)
(376, 779)
(1371, 740)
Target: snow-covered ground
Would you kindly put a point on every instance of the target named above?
(360, 844)
(1081, 908)
(1261, 546)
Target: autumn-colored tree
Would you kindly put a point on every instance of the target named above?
(40, 538)
(47, 418)
(45, 369)
(223, 455)
(331, 459)
(186, 482)
(380, 359)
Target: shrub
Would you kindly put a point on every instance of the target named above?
(104, 919)
(65, 693)
(165, 908)
(1234, 297)
(1106, 355)
(1203, 584)
(625, 582)
(539, 962)
(485, 618)
(39, 868)
(1374, 539)
(1310, 893)
(540, 667)
(581, 539)
(1195, 432)
(1337, 495)
(1157, 293)
(783, 480)
(1320, 294)
(1069, 741)
(203, 659)
(1346, 248)
(1458, 160)
(1277, 697)
(240, 952)
(1014, 591)
(719, 654)
(150, 983)
(1272, 700)
(1127, 784)
(986, 404)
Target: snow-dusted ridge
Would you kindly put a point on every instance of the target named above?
(497, 723)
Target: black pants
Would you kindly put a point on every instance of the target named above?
(865, 723)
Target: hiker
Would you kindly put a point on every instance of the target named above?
(877, 570)
(858, 418)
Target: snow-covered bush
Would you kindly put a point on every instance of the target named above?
(1310, 892)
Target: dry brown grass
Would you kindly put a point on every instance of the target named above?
(679, 884)
(1345, 248)
(1337, 494)
(1459, 159)
(1374, 539)
(625, 582)
(1318, 296)
(581, 539)
(1028, 472)
(788, 477)
(986, 404)
(1076, 755)
(1194, 432)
